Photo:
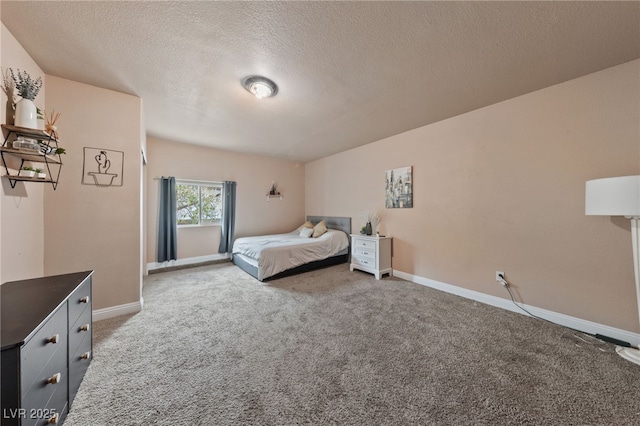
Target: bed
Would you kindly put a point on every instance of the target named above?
(275, 256)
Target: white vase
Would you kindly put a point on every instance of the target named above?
(26, 114)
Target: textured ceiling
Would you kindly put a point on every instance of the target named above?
(349, 73)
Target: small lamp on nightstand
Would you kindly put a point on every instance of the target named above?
(619, 196)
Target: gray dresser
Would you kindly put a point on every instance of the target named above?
(46, 346)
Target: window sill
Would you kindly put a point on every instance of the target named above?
(205, 225)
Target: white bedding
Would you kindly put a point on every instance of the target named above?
(279, 252)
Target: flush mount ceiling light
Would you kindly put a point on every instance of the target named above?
(261, 87)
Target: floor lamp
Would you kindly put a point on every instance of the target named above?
(619, 196)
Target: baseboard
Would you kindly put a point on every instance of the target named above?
(186, 262)
(555, 317)
(116, 311)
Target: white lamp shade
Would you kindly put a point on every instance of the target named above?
(615, 196)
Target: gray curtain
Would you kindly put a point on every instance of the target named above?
(228, 216)
(167, 227)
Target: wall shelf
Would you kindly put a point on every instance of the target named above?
(273, 192)
(52, 163)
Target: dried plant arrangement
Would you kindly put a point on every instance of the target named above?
(27, 87)
(50, 123)
(371, 216)
(9, 87)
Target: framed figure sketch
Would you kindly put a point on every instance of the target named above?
(399, 188)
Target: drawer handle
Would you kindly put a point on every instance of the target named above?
(55, 379)
(85, 355)
(365, 262)
(53, 420)
(84, 328)
(84, 299)
(365, 252)
(54, 339)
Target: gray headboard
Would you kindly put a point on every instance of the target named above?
(333, 222)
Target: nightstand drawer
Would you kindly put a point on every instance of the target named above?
(365, 252)
(364, 261)
(358, 243)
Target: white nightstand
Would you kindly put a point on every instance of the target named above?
(371, 254)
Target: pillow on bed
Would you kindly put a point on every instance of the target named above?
(307, 224)
(306, 232)
(319, 229)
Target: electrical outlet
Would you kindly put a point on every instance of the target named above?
(500, 276)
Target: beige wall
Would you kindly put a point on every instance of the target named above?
(21, 208)
(502, 188)
(253, 174)
(90, 227)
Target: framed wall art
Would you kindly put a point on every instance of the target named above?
(102, 167)
(399, 188)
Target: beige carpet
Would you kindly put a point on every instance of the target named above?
(213, 346)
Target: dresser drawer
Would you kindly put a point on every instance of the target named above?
(358, 243)
(80, 330)
(78, 364)
(43, 387)
(40, 349)
(54, 412)
(56, 409)
(79, 300)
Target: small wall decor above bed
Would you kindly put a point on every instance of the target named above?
(273, 192)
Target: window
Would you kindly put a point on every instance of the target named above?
(198, 203)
